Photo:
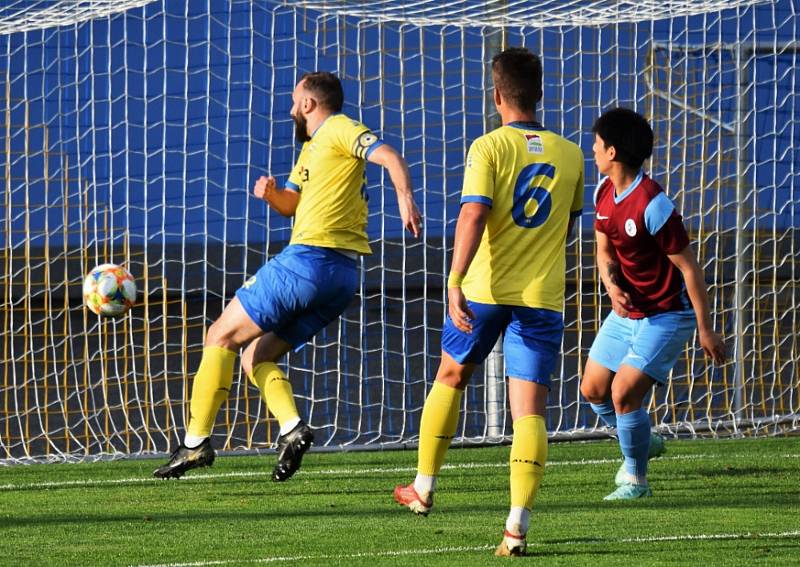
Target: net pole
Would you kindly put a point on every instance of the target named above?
(738, 378)
(495, 403)
(5, 436)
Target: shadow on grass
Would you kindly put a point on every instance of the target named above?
(336, 511)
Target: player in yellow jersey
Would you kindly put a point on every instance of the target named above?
(523, 188)
(305, 287)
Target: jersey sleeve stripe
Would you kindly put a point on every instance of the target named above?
(658, 212)
(292, 187)
(476, 199)
(373, 147)
(357, 149)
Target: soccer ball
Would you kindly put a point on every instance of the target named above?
(109, 290)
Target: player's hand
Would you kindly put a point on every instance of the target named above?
(410, 215)
(264, 188)
(713, 346)
(620, 300)
(459, 311)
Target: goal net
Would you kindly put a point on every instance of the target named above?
(133, 132)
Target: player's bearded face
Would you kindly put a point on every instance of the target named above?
(300, 127)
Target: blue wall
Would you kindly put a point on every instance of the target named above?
(168, 117)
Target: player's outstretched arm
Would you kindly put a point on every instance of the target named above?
(282, 200)
(388, 157)
(608, 266)
(711, 342)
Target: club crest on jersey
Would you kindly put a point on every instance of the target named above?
(630, 227)
(535, 145)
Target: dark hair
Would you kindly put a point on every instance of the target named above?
(326, 88)
(517, 75)
(628, 132)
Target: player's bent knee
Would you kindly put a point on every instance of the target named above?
(452, 377)
(452, 380)
(267, 348)
(220, 336)
(453, 374)
(625, 399)
(590, 394)
(593, 392)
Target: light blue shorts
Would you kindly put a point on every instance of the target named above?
(652, 344)
(531, 343)
(299, 291)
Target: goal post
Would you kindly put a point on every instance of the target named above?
(134, 131)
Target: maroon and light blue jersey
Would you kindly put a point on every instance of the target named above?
(642, 225)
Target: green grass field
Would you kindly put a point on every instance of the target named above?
(731, 502)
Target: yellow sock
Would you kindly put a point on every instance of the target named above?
(210, 388)
(275, 390)
(528, 457)
(437, 427)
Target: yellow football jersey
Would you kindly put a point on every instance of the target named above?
(533, 181)
(329, 175)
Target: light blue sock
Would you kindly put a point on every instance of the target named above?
(633, 430)
(606, 412)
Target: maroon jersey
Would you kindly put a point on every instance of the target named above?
(643, 227)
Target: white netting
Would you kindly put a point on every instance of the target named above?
(522, 13)
(136, 137)
(27, 15)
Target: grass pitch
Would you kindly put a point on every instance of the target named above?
(731, 502)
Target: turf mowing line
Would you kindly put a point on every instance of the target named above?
(441, 550)
(378, 470)
(688, 537)
(362, 555)
(323, 472)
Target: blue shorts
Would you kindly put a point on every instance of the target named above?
(531, 343)
(299, 291)
(652, 344)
